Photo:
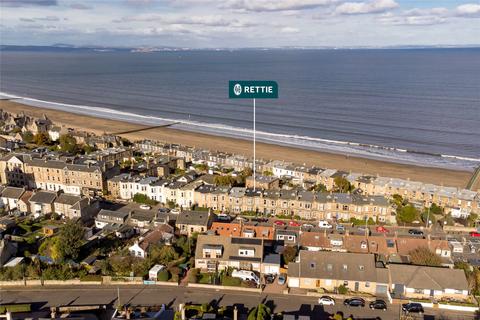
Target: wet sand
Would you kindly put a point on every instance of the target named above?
(266, 151)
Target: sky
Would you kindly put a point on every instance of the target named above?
(240, 23)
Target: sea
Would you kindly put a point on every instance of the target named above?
(415, 106)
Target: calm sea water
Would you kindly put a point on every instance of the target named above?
(399, 105)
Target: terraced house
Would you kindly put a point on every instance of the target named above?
(75, 176)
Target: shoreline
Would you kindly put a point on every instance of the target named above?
(439, 176)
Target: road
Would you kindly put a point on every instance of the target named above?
(172, 296)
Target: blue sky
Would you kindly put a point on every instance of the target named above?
(240, 23)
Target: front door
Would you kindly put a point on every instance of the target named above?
(357, 286)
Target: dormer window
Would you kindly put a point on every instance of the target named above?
(329, 267)
(361, 267)
(345, 267)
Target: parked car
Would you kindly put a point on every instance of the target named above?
(294, 223)
(175, 211)
(279, 223)
(340, 228)
(324, 224)
(326, 301)
(223, 217)
(474, 234)
(282, 279)
(415, 232)
(412, 307)
(259, 219)
(378, 304)
(382, 229)
(145, 207)
(354, 302)
(240, 218)
(269, 278)
(308, 225)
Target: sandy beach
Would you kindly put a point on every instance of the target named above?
(265, 151)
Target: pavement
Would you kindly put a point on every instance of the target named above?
(171, 296)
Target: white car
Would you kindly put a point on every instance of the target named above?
(326, 301)
(324, 224)
(145, 207)
(308, 225)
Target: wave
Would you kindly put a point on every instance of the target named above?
(387, 153)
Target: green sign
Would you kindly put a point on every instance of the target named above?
(242, 89)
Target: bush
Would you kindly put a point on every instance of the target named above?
(91, 277)
(141, 198)
(163, 275)
(342, 289)
(193, 276)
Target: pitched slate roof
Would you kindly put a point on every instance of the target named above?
(43, 197)
(12, 192)
(420, 277)
(334, 265)
(196, 218)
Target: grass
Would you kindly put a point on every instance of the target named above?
(231, 281)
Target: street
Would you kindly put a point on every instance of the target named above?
(172, 296)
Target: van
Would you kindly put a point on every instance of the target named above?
(324, 224)
(246, 275)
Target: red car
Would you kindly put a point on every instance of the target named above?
(279, 223)
(382, 229)
(474, 234)
(294, 223)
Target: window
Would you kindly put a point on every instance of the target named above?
(367, 284)
(312, 265)
(345, 267)
(361, 267)
(345, 283)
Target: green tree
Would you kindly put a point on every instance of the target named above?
(472, 219)
(319, 187)
(87, 149)
(426, 214)
(202, 167)
(398, 200)
(226, 180)
(407, 214)
(70, 239)
(41, 139)
(289, 254)
(342, 185)
(28, 137)
(141, 198)
(267, 173)
(342, 289)
(68, 144)
(163, 254)
(260, 312)
(423, 256)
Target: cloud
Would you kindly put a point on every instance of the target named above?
(468, 10)
(205, 20)
(80, 6)
(289, 30)
(47, 18)
(275, 5)
(26, 3)
(430, 16)
(373, 6)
